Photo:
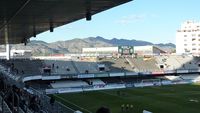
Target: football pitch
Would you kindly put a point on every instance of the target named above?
(162, 99)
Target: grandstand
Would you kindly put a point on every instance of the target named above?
(96, 82)
(112, 81)
(61, 66)
(70, 76)
(86, 67)
(188, 62)
(170, 63)
(24, 66)
(192, 77)
(144, 64)
(173, 62)
(113, 67)
(174, 78)
(69, 83)
(116, 64)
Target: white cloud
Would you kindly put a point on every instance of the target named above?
(134, 18)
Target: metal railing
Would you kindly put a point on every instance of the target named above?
(44, 106)
(57, 107)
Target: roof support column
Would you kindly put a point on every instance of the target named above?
(6, 42)
(7, 51)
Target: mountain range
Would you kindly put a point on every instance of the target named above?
(76, 45)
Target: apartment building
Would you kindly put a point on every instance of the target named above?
(188, 38)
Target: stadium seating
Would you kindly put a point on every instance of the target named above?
(173, 62)
(192, 77)
(170, 63)
(64, 84)
(5, 106)
(174, 78)
(111, 80)
(25, 66)
(97, 82)
(82, 67)
(60, 66)
(130, 80)
(188, 62)
(142, 65)
(116, 64)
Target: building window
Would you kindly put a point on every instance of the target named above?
(193, 44)
(193, 35)
(186, 50)
(185, 44)
(185, 35)
(199, 35)
(193, 39)
(194, 49)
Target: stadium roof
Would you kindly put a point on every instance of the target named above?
(22, 19)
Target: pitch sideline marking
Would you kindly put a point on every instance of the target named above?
(72, 103)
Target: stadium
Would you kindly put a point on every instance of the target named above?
(67, 78)
(126, 79)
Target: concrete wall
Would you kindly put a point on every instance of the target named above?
(100, 50)
(141, 50)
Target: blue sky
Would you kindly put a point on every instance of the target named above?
(150, 20)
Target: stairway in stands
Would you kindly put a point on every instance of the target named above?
(75, 67)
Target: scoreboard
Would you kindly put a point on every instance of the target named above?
(126, 50)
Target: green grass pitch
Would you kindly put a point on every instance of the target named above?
(162, 99)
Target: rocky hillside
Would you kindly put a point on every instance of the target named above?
(75, 45)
